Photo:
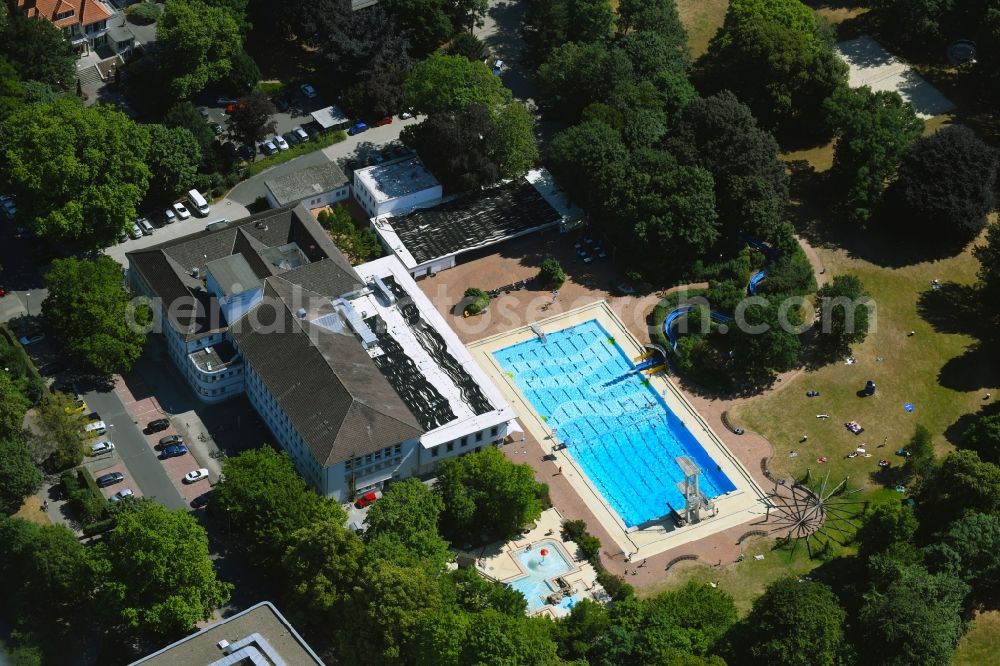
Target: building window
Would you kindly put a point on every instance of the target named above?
(465, 441)
(479, 437)
(368, 459)
(398, 448)
(494, 431)
(64, 15)
(434, 452)
(451, 446)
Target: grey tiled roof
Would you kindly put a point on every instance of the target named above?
(325, 382)
(307, 182)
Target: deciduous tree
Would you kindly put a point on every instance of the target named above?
(13, 406)
(174, 155)
(91, 314)
(244, 74)
(945, 187)
(873, 130)
(78, 173)
(155, 573)
(39, 51)
(983, 437)
(408, 514)
(197, 44)
(914, 619)
(720, 134)
(486, 492)
(795, 623)
(253, 119)
(443, 83)
(183, 114)
(776, 57)
(263, 500)
(988, 255)
(843, 308)
(18, 475)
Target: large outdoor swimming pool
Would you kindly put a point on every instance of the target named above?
(616, 426)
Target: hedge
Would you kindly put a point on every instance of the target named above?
(99, 526)
(88, 498)
(590, 546)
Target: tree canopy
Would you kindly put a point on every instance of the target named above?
(443, 83)
(253, 119)
(843, 306)
(983, 437)
(155, 572)
(778, 59)
(18, 475)
(945, 187)
(794, 623)
(988, 255)
(77, 173)
(486, 492)
(873, 130)
(173, 158)
(198, 43)
(551, 23)
(90, 313)
(264, 500)
(39, 51)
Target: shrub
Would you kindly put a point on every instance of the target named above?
(478, 300)
(589, 545)
(573, 529)
(144, 13)
(270, 88)
(88, 499)
(69, 482)
(551, 275)
(99, 526)
(615, 586)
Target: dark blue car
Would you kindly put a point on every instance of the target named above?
(173, 451)
(357, 129)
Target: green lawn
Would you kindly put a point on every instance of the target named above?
(982, 644)
(743, 581)
(702, 18)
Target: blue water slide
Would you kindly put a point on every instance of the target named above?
(754, 281)
(768, 251)
(674, 315)
(648, 363)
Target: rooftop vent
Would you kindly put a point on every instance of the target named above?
(261, 225)
(301, 313)
(223, 644)
(195, 272)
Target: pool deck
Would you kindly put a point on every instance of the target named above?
(733, 509)
(498, 562)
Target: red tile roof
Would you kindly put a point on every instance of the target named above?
(85, 12)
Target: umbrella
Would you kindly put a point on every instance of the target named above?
(909, 407)
(545, 551)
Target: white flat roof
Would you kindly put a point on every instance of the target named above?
(466, 420)
(546, 186)
(396, 179)
(329, 117)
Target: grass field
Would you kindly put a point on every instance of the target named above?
(32, 510)
(743, 581)
(702, 18)
(982, 644)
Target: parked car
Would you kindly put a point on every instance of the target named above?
(217, 128)
(33, 339)
(169, 216)
(182, 212)
(203, 111)
(383, 121)
(144, 226)
(308, 90)
(196, 475)
(280, 103)
(312, 131)
(232, 107)
(95, 428)
(405, 115)
(300, 134)
(280, 142)
(158, 425)
(173, 451)
(109, 479)
(226, 101)
(122, 494)
(103, 446)
(357, 128)
(3, 292)
(49, 369)
(245, 151)
(365, 500)
(268, 147)
(78, 407)
(169, 440)
(498, 67)
(291, 138)
(93, 417)
(135, 231)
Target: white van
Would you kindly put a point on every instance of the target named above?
(198, 202)
(145, 226)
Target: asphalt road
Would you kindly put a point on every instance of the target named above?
(132, 448)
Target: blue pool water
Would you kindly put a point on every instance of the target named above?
(615, 424)
(535, 585)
